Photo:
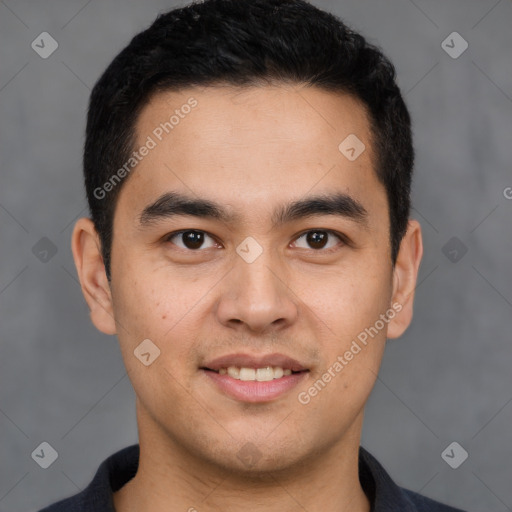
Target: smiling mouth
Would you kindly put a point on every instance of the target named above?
(264, 374)
(252, 385)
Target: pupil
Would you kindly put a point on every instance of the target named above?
(193, 239)
(317, 239)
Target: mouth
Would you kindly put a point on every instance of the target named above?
(249, 378)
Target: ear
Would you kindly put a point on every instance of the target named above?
(405, 276)
(86, 247)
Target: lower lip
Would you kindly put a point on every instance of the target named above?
(252, 390)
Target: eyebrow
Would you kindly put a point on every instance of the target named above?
(173, 204)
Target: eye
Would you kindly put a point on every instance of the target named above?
(318, 239)
(191, 239)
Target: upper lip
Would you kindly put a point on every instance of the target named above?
(254, 361)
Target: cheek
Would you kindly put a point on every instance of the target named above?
(347, 299)
(151, 302)
(151, 308)
(166, 314)
(349, 305)
(339, 390)
(168, 308)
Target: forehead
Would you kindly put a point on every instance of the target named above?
(252, 146)
(227, 117)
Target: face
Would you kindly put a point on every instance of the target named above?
(246, 238)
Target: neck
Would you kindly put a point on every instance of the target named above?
(170, 477)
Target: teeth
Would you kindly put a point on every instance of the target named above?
(264, 374)
(234, 372)
(260, 374)
(247, 374)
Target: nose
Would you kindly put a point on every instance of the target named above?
(256, 296)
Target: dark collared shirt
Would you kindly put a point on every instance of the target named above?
(119, 468)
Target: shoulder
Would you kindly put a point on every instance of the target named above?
(112, 474)
(386, 496)
(72, 504)
(423, 504)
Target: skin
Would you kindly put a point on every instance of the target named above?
(250, 150)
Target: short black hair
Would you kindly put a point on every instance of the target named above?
(245, 43)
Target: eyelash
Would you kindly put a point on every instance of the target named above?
(343, 239)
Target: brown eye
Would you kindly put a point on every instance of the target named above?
(318, 239)
(191, 239)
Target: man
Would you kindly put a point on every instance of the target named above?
(248, 169)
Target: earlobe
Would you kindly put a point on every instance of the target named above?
(86, 248)
(405, 277)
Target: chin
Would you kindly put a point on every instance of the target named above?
(256, 458)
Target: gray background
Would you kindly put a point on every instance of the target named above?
(447, 379)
